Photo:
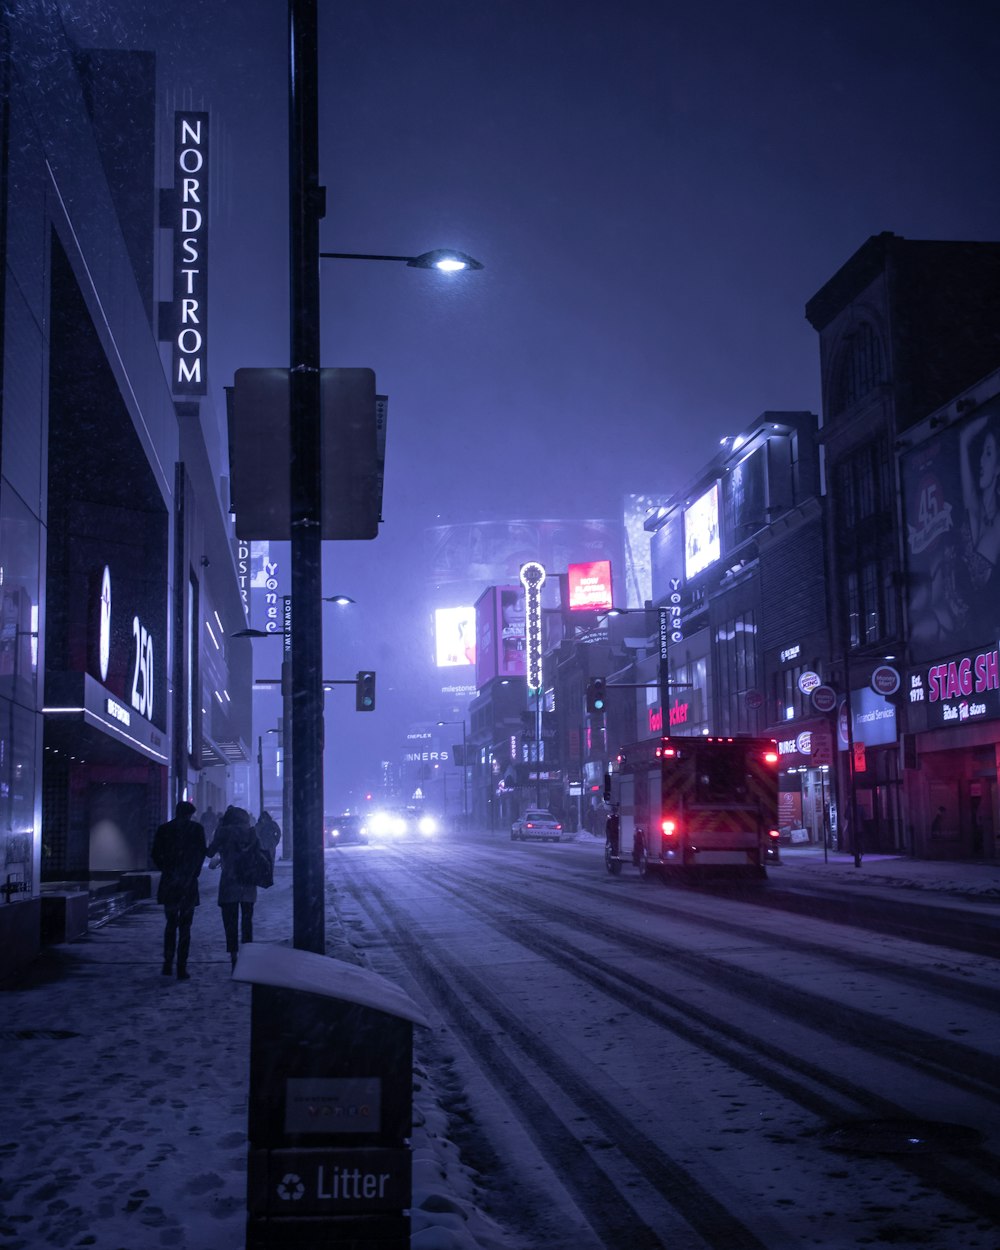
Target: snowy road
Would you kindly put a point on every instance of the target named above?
(654, 1066)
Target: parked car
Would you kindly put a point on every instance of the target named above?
(343, 829)
(536, 823)
(389, 823)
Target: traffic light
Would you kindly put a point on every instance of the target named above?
(595, 695)
(364, 692)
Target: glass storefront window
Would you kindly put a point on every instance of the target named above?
(18, 727)
(19, 565)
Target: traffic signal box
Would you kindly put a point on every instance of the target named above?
(595, 695)
(330, 1108)
(364, 692)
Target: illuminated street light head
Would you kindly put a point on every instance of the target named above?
(445, 260)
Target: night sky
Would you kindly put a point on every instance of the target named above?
(655, 189)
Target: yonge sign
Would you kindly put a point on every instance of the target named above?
(190, 345)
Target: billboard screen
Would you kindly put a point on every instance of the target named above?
(590, 586)
(638, 557)
(701, 532)
(666, 548)
(488, 627)
(454, 636)
(500, 634)
(950, 494)
(744, 497)
(492, 552)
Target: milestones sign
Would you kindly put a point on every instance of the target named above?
(190, 331)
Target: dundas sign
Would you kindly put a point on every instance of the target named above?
(190, 336)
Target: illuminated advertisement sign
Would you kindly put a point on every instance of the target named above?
(127, 650)
(702, 545)
(638, 548)
(190, 337)
(960, 690)
(950, 486)
(454, 636)
(487, 635)
(744, 497)
(491, 553)
(677, 716)
(590, 586)
(874, 719)
(532, 579)
(265, 593)
(500, 634)
(666, 550)
(513, 640)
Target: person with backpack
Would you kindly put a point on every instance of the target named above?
(268, 833)
(236, 848)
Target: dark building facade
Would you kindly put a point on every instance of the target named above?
(950, 696)
(905, 326)
(739, 576)
(115, 553)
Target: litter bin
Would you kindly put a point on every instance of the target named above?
(330, 1107)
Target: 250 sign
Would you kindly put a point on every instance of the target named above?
(142, 673)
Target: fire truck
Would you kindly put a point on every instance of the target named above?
(693, 806)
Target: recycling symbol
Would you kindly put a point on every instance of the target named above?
(290, 1187)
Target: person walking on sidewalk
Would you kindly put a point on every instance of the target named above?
(268, 833)
(178, 852)
(234, 837)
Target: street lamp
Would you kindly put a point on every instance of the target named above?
(340, 600)
(443, 259)
(307, 205)
(664, 614)
(465, 771)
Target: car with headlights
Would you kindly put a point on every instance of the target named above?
(344, 829)
(536, 823)
(389, 824)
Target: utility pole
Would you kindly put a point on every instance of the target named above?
(306, 204)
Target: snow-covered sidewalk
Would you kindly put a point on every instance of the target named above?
(125, 1096)
(978, 879)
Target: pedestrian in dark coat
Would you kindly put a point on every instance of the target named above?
(235, 832)
(178, 851)
(268, 833)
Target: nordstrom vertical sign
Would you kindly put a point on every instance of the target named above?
(190, 253)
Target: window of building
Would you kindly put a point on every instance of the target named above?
(789, 703)
(853, 610)
(736, 646)
(870, 600)
(860, 369)
(888, 600)
(864, 483)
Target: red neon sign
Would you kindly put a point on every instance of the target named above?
(590, 586)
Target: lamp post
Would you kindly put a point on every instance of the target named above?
(260, 774)
(307, 205)
(664, 616)
(445, 260)
(465, 771)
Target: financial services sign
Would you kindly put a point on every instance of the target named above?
(190, 305)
